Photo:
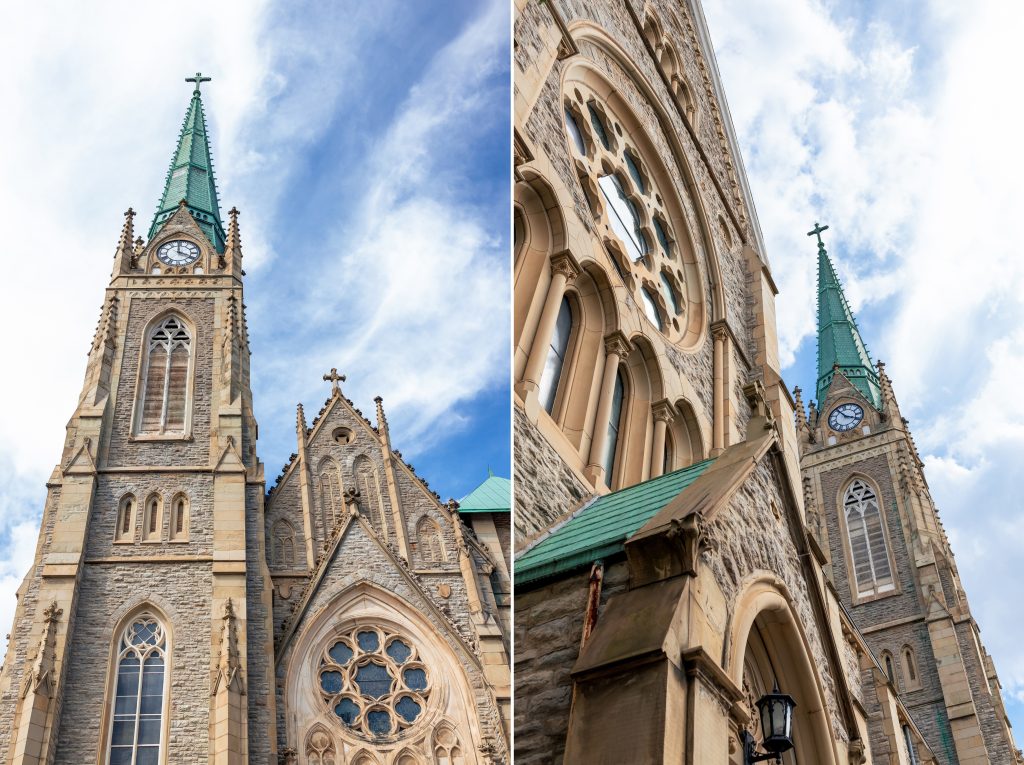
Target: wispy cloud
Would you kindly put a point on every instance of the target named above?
(901, 136)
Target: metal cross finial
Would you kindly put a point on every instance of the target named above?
(334, 378)
(818, 228)
(198, 80)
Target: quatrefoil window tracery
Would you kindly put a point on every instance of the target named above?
(373, 682)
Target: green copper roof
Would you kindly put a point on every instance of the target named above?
(492, 496)
(839, 340)
(191, 175)
(602, 527)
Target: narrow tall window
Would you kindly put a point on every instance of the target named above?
(428, 542)
(179, 518)
(870, 558)
(549, 379)
(151, 519)
(611, 443)
(139, 699)
(910, 668)
(446, 748)
(284, 544)
(372, 505)
(164, 399)
(330, 496)
(669, 461)
(125, 511)
(911, 751)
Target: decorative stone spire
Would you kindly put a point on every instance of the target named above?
(300, 423)
(233, 248)
(190, 177)
(382, 423)
(125, 259)
(890, 408)
(840, 346)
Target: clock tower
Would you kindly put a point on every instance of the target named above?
(886, 553)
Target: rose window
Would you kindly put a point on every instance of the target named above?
(630, 212)
(373, 682)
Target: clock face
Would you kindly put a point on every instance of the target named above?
(178, 253)
(844, 417)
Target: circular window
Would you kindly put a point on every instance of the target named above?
(342, 436)
(373, 682)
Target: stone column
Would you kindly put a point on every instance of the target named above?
(721, 337)
(616, 349)
(563, 269)
(663, 413)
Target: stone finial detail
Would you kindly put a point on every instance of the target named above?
(300, 423)
(233, 242)
(352, 497)
(126, 256)
(334, 378)
(890, 409)
(41, 679)
(382, 420)
(812, 416)
(801, 415)
(229, 669)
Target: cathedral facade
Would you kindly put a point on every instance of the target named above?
(685, 537)
(176, 612)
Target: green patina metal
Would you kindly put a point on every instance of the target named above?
(190, 177)
(839, 341)
(492, 496)
(601, 528)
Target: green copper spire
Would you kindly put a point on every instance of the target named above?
(839, 341)
(191, 174)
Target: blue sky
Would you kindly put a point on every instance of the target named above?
(897, 125)
(367, 148)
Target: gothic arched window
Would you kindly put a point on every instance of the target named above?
(179, 518)
(428, 542)
(320, 748)
(614, 421)
(910, 668)
(151, 520)
(446, 748)
(163, 401)
(372, 505)
(869, 555)
(284, 544)
(136, 734)
(557, 348)
(125, 514)
(890, 671)
(330, 496)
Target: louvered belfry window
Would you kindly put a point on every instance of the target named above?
(165, 391)
(867, 540)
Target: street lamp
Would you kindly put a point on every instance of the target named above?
(776, 711)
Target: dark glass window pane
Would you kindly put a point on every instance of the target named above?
(613, 428)
(634, 171)
(330, 681)
(120, 755)
(379, 722)
(415, 679)
(399, 651)
(574, 132)
(368, 641)
(556, 356)
(151, 705)
(598, 123)
(373, 680)
(149, 730)
(408, 708)
(341, 653)
(125, 705)
(670, 295)
(662, 234)
(148, 755)
(347, 710)
(124, 733)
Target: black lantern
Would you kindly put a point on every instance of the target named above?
(776, 711)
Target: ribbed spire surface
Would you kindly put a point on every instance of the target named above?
(839, 341)
(191, 176)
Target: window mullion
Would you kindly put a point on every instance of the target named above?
(138, 710)
(167, 385)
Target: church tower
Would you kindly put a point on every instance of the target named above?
(887, 555)
(143, 629)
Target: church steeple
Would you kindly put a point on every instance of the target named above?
(839, 342)
(190, 176)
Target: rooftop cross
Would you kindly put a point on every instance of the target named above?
(334, 378)
(818, 228)
(198, 80)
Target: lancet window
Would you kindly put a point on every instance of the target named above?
(429, 544)
(372, 505)
(614, 421)
(179, 518)
(284, 544)
(164, 398)
(125, 516)
(555, 360)
(330, 496)
(869, 554)
(447, 750)
(151, 520)
(137, 722)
